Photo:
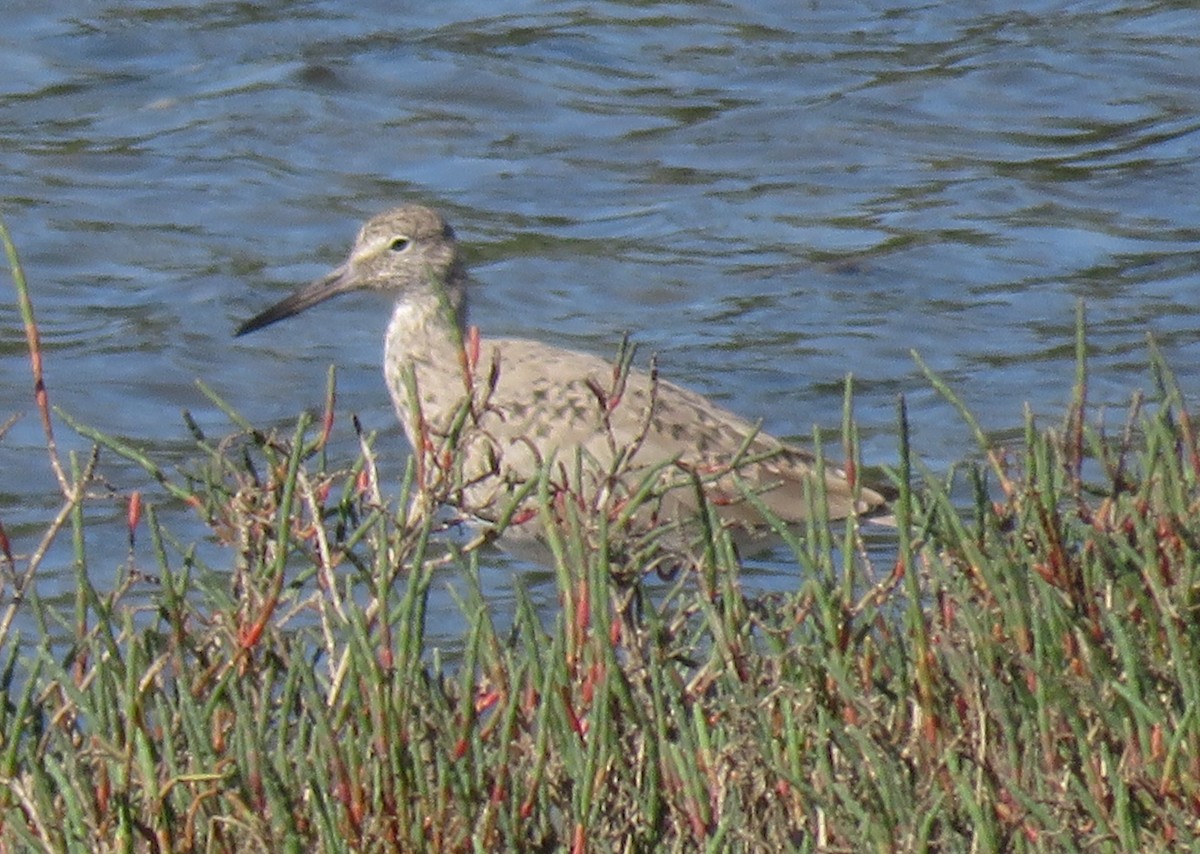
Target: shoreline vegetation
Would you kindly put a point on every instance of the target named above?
(1022, 676)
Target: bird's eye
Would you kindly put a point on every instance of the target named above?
(400, 244)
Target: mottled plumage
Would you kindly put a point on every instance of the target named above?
(532, 401)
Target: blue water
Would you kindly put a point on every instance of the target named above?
(767, 195)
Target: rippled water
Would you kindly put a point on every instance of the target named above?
(768, 195)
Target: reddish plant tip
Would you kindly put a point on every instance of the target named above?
(473, 346)
(575, 723)
(523, 516)
(103, 792)
(486, 700)
(135, 511)
(5, 545)
(1158, 750)
(326, 427)
(248, 637)
(583, 613)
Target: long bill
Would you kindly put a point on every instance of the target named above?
(330, 285)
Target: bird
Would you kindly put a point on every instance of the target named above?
(526, 420)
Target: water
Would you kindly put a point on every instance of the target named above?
(767, 195)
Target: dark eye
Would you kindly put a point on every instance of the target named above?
(400, 244)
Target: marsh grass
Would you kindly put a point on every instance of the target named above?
(1022, 677)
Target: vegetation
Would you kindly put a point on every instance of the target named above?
(1023, 677)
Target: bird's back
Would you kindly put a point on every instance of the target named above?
(606, 429)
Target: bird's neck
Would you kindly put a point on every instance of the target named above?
(425, 337)
(424, 328)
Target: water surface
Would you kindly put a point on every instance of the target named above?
(767, 195)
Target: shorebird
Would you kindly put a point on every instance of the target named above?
(522, 414)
